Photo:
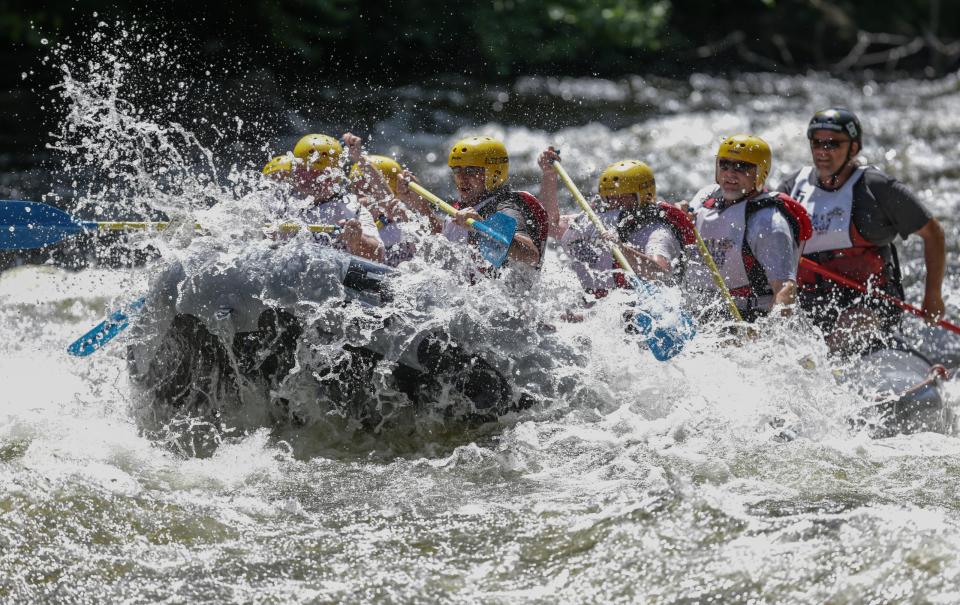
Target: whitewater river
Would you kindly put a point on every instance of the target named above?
(635, 481)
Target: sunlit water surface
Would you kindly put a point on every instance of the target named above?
(635, 481)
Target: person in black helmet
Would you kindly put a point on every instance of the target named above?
(857, 212)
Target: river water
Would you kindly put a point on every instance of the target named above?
(633, 481)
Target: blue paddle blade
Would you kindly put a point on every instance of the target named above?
(25, 225)
(498, 231)
(666, 329)
(106, 330)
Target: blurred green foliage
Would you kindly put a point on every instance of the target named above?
(407, 39)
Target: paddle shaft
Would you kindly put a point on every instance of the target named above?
(451, 211)
(160, 226)
(850, 283)
(717, 278)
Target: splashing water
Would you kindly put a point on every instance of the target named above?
(627, 481)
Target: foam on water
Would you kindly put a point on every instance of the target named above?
(630, 481)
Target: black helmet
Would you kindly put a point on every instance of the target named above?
(837, 119)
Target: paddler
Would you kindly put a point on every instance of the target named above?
(480, 167)
(322, 197)
(651, 233)
(437, 353)
(857, 212)
(754, 236)
(279, 167)
(374, 180)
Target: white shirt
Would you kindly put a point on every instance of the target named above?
(593, 261)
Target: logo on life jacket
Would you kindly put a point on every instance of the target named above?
(821, 221)
(719, 248)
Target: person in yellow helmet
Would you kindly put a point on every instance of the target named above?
(322, 197)
(374, 179)
(480, 166)
(754, 236)
(387, 167)
(651, 234)
(279, 167)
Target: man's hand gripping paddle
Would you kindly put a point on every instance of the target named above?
(666, 329)
(497, 230)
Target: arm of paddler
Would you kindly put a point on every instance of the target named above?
(770, 238)
(361, 238)
(416, 203)
(370, 180)
(359, 243)
(647, 267)
(784, 297)
(523, 250)
(548, 193)
(935, 259)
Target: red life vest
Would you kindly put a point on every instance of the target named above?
(538, 223)
(800, 225)
(863, 262)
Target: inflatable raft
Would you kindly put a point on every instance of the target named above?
(907, 387)
(304, 331)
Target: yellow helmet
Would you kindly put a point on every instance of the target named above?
(482, 152)
(386, 165)
(629, 176)
(748, 148)
(319, 151)
(279, 166)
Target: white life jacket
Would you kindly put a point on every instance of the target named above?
(724, 230)
(592, 258)
(831, 212)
